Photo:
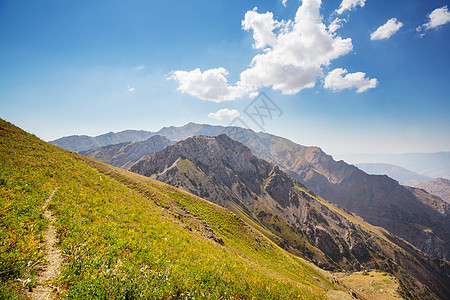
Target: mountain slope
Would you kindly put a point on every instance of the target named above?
(83, 142)
(439, 187)
(125, 154)
(227, 173)
(432, 165)
(127, 236)
(79, 143)
(402, 175)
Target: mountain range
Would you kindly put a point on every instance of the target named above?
(119, 235)
(123, 155)
(79, 143)
(123, 235)
(419, 218)
(402, 175)
(431, 165)
(439, 187)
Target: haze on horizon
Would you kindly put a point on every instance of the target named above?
(357, 76)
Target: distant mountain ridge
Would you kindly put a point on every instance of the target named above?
(431, 165)
(125, 154)
(438, 186)
(79, 143)
(402, 175)
(420, 219)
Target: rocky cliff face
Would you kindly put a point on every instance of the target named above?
(126, 154)
(227, 173)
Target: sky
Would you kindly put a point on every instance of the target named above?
(350, 76)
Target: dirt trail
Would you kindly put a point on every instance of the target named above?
(44, 290)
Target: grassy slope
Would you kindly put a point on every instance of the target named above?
(123, 235)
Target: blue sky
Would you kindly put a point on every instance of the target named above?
(90, 67)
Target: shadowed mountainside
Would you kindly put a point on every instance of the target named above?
(125, 154)
(79, 143)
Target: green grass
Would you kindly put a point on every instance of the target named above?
(124, 236)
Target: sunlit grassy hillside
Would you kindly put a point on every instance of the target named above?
(121, 239)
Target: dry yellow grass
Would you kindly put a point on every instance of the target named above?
(371, 285)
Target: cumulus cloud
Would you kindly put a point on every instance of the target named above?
(293, 55)
(337, 82)
(211, 85)
(224, 114)
(349, 5)
(437, 18)
(387, 30)
(263, 26)
(294, 60)
(283, 2)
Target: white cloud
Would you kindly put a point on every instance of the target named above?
(295, 58)
(336, 24)
(438, 17)
(336, 81)
(224, 114)
(283, 2)
(387, 30)
(293, 55)
(130, 89)
(263, 26)
(211, 85)
(349, 5)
